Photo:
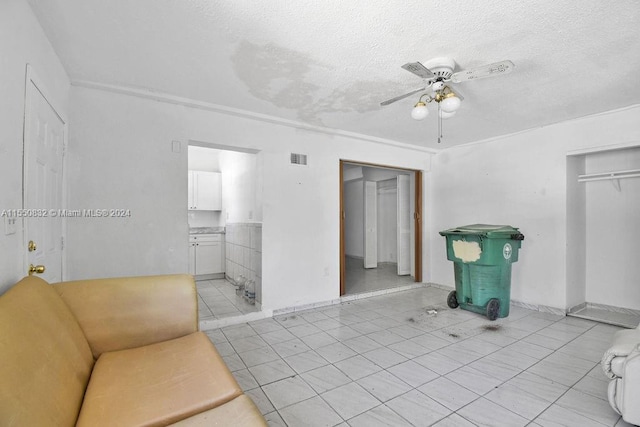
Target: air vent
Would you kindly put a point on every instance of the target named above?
(298, 159)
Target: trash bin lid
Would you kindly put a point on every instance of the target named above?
(484, 230)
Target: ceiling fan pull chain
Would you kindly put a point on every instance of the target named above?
(439, 123)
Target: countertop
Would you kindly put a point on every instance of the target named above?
(206, 230)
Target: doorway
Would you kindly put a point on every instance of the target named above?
(380, 227)
(225, 237)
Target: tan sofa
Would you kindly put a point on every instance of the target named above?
(113, 352)
(621, 364)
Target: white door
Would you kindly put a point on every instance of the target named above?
(370, 224)
(43, 154)
(404, 226)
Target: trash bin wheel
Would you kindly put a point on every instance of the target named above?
(493, 308)
(452, 300)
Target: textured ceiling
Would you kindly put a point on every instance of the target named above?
(329, 63)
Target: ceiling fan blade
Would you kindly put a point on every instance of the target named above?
(398, 98)
(495, 69)
(419, 70)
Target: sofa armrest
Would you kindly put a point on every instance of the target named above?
(623, 344)
(128, 312)
(631, 388)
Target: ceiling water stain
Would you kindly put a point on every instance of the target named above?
(275, 74)
(286, 78)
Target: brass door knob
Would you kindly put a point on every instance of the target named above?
(38, 269)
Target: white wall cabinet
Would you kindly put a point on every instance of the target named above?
(206, 254)
(204, 191)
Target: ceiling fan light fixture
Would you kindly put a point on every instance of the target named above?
(436, 75)
(450, 103)
(419, 111)
(446, 115)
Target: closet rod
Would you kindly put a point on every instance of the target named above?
(609, 175)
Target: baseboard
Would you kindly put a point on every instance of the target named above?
(515, 303)
(440, 286)
(214, 276)
(207, 325)
(363, 295)
(577, 308)
(539, 307)
(347, 298)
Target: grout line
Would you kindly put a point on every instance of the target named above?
(455, 321)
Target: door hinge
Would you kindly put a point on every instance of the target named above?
(61, 242)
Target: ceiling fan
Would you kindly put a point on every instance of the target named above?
(438, 74)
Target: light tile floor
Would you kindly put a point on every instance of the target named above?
(386, 361)
(217, 299)
(359, 279)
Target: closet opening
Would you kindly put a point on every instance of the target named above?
(603, 235)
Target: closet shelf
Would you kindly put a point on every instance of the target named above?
(600, 176)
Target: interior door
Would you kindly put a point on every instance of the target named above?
(404, 226)
(370, 224)
(43, 160)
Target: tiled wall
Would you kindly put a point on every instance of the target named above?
(243, 252)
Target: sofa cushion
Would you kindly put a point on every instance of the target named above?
(46, 361)
(241, 411)
(157, 384)
(129, 312)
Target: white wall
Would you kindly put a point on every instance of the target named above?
(576, 233)
(203, 159)
(520, 180)
(122, 155)
(240, 186)
(22, 42)
(613, 231)
(354, 218)
(205, 219)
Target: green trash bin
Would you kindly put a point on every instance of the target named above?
(482, 256)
